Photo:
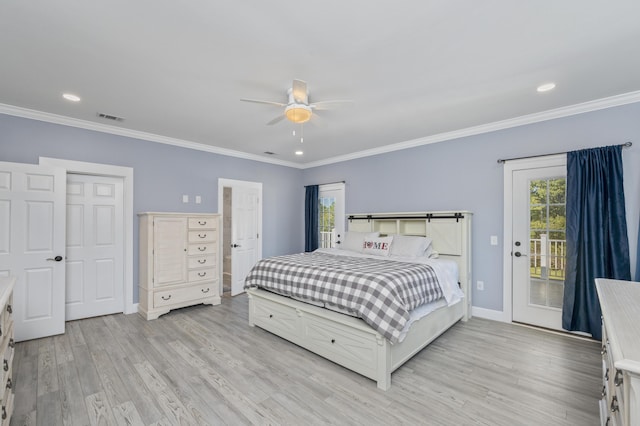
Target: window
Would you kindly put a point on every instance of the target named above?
(330, 214)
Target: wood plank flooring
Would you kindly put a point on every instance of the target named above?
(205, 365)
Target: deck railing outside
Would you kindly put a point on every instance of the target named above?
(549, 263)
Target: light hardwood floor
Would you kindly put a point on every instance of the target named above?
(205, 365)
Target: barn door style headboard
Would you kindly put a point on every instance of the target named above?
(450, 232)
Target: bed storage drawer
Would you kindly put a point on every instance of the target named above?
(352, 348)
(279, 319)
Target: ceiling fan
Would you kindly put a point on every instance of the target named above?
(297, 109)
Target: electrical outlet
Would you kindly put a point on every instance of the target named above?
(198, 199)
(185, 198)
(480, 285)
(494, 240)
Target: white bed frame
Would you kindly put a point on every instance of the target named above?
(349, 341)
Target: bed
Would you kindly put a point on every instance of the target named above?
(373, 342)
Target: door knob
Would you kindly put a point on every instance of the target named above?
(518, 254)
(56, 259)
(235, 245)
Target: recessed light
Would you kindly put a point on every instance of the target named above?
(299, 152)
(71, 97)
(546, 87)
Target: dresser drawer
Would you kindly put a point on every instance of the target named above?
(204, 236)
(204, 248)
(196, 262)
(185, 294)
(6, 411)
(7, 351)
(202, 274)
(203, 223)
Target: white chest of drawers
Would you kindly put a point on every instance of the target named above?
(620, 303)
(179, 261)
(6, 349)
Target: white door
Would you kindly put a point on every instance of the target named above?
(331, 216)
(539, 245)
(245, 234)
(32, 246)
(95, 246)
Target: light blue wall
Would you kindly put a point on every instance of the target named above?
(463, 174)
(460, 174)
(163, 173)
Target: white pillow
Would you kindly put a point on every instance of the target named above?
(410, 246)
(377, 246)
(353, 241)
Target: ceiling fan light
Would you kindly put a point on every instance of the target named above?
(298, 113)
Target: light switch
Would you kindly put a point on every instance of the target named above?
(198, 199)
(185, 198)
(494, 240)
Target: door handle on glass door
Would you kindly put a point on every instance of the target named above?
(56, 259)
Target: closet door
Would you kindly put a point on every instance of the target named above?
(170, 250)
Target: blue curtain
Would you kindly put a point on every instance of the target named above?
(311, 232)
(597, 243)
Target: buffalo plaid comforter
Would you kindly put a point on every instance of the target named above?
(381, 292)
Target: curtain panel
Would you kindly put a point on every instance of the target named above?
(597, 242)
(311, 231)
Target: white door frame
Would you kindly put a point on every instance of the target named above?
(507, 275)
(231, 183)
(126, 173)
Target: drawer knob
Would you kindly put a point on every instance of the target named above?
(604, 391)
(205, 290)
(202, 274)
(12, 343)
(9, 383)
(10, 309)
(202, 222)
(617, 380)
(603, 351)
(6, 365)
(166, 297)
(614, 404)
(202, 248)
(202, 235)
(333, 340)
(202, 261)
(270, 315)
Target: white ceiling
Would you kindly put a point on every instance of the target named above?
(415, 69)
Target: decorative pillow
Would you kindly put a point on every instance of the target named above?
(353, 241)
(377, 246)
(410, 246)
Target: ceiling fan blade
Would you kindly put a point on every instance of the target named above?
(300, 91)
(258, 101)
(276, 120)
(324, 105)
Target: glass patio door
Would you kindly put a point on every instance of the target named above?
(539, 245)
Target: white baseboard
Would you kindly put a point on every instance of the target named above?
(489, 314)
(132, 309)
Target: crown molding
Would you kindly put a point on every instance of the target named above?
(151, 137)
(595, 105)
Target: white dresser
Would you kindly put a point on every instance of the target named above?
(179, 261)
(6, 348)
(620, 303)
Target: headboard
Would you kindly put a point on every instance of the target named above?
(450, 232)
